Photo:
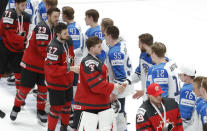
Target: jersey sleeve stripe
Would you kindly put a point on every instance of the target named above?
(97, 83)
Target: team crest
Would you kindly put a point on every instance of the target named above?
(156, 88)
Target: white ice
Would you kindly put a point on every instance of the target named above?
(180, 24)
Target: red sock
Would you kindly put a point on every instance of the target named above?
(41, 97)
(21, 95)
(17, 79)
(65, 114)
(53, 117)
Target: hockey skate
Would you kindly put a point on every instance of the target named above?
(14, 113)
(63, 128)
(42, 117)
(2, 114)
(11, 80)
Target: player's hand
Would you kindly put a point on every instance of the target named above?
(113, 97)
(138, 94)
(75, 69)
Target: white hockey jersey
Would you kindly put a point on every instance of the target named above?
(119, 66)
(165, 74)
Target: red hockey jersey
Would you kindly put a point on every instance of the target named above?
(94, 90)
(147, 118)
(35, 53)
(14, 30)
(58, 55)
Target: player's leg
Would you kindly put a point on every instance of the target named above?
(26, 84)
(121, 119)
(107, 120)
(57, 100)
(65, 113)
(4, 55)
(15, 65)
(41, 98)
(88, 121)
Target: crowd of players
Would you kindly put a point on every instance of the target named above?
(84, 75)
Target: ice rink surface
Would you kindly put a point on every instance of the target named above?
(180, 24)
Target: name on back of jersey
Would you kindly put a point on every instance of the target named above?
(117, 62)
(42, 36)
(187, 102)
(173, 67)
(8, 20)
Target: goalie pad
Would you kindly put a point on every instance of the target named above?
(88, 122)
(107, 120)
(116, 106)
(121, 122)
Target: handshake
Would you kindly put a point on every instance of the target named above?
(119, 88)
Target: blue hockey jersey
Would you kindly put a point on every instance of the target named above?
(76, 34)
(145, 62)
(120, 67)
(165, 74)
(187, 101)
(96, 31)
(203, 113)
(199, 103)
(42, 12)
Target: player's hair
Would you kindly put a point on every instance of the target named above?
(113, 31)
(59, 27)
(197, 80)
(106, 22)
(204, 83)
(146, 39)
(92, 41)
(159, 49)
(20, 1)
(52, 3)
(93, 13)
(68, 12)
(51, 10)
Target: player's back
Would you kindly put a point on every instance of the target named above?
(165, 74)
(95, 31)
(120, 67)
(187, 101)
(173, 81)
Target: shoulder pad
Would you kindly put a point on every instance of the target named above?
(26, 17)
(141, 111)
(42, 31)
(9, 16)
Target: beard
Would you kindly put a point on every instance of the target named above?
(142, 50)
(62, 38)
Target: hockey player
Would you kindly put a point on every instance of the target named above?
(76, 34)
(14, 28)
(94, 90)
(120, 69)
(91, 19)
(31, 9)
(164, 72)
(203, 110)
(187, 97)
(157, 113)
(33, 70)
(105, 23)
(43, 6)
(196, 118)
(59, 69)
(145, 62)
